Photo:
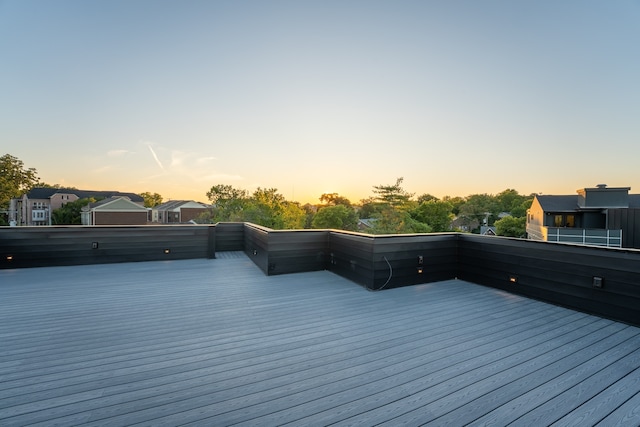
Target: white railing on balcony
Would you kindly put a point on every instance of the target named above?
(583, 236)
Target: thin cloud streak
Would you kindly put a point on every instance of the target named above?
(153, 153)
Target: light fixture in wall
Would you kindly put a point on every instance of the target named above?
(420, 270)
(513, 279)
(598, 282)
(9, 257)
(167, 251)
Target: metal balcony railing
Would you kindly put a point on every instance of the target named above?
(585, 236)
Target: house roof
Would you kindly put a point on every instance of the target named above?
(120, 203)
(48, 192)
(367, 222)
(555, 203)
(233, 345)
(176, 204)
(569, 203)
(488, 230)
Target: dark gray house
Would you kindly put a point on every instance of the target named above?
(600, 216)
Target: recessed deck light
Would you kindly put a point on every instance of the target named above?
(598, 282)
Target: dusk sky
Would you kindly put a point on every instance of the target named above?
(309, 97)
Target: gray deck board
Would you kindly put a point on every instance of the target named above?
(216, 342)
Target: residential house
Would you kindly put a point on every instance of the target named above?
(600, 216)
(366, 224)
(177, 211)
(488, 230)
(114, 211)
(34, 208)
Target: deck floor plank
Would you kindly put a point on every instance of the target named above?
(216, 342)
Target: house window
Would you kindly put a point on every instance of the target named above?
(557, 221)
(571, 221)
(564, 220)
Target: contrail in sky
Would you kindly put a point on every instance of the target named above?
(153, 153)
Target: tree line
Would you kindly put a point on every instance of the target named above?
(389, 210)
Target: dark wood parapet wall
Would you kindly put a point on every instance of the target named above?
(75, 245)
(390, 261)
(557, 273)
(229, 236)
(286, 251)
(562, 274)
(372, 261)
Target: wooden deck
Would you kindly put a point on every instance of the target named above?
(216, 343)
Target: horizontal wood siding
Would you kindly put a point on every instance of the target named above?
(392, 261)
(229, 236)
(256, 245)
(351, 256)
(50, 246)
(297, 251)
(120, 218)
(397, 262)
(557, 273)
(188, 214)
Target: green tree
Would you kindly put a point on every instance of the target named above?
(228, 204)
(309, 213)
(266, 208)
(438, 214)
(15, 180)
(478, 208)
(70, 213)
(511, 201)
(456, 202)
(426, 198)
(293, 216)
(369, 207)
(392, 195)
(397, 221)
(269, 197)
(222, 194)
(521, 210)
(339, 217)
(511, 226)
(334, 199)
(151, 199)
